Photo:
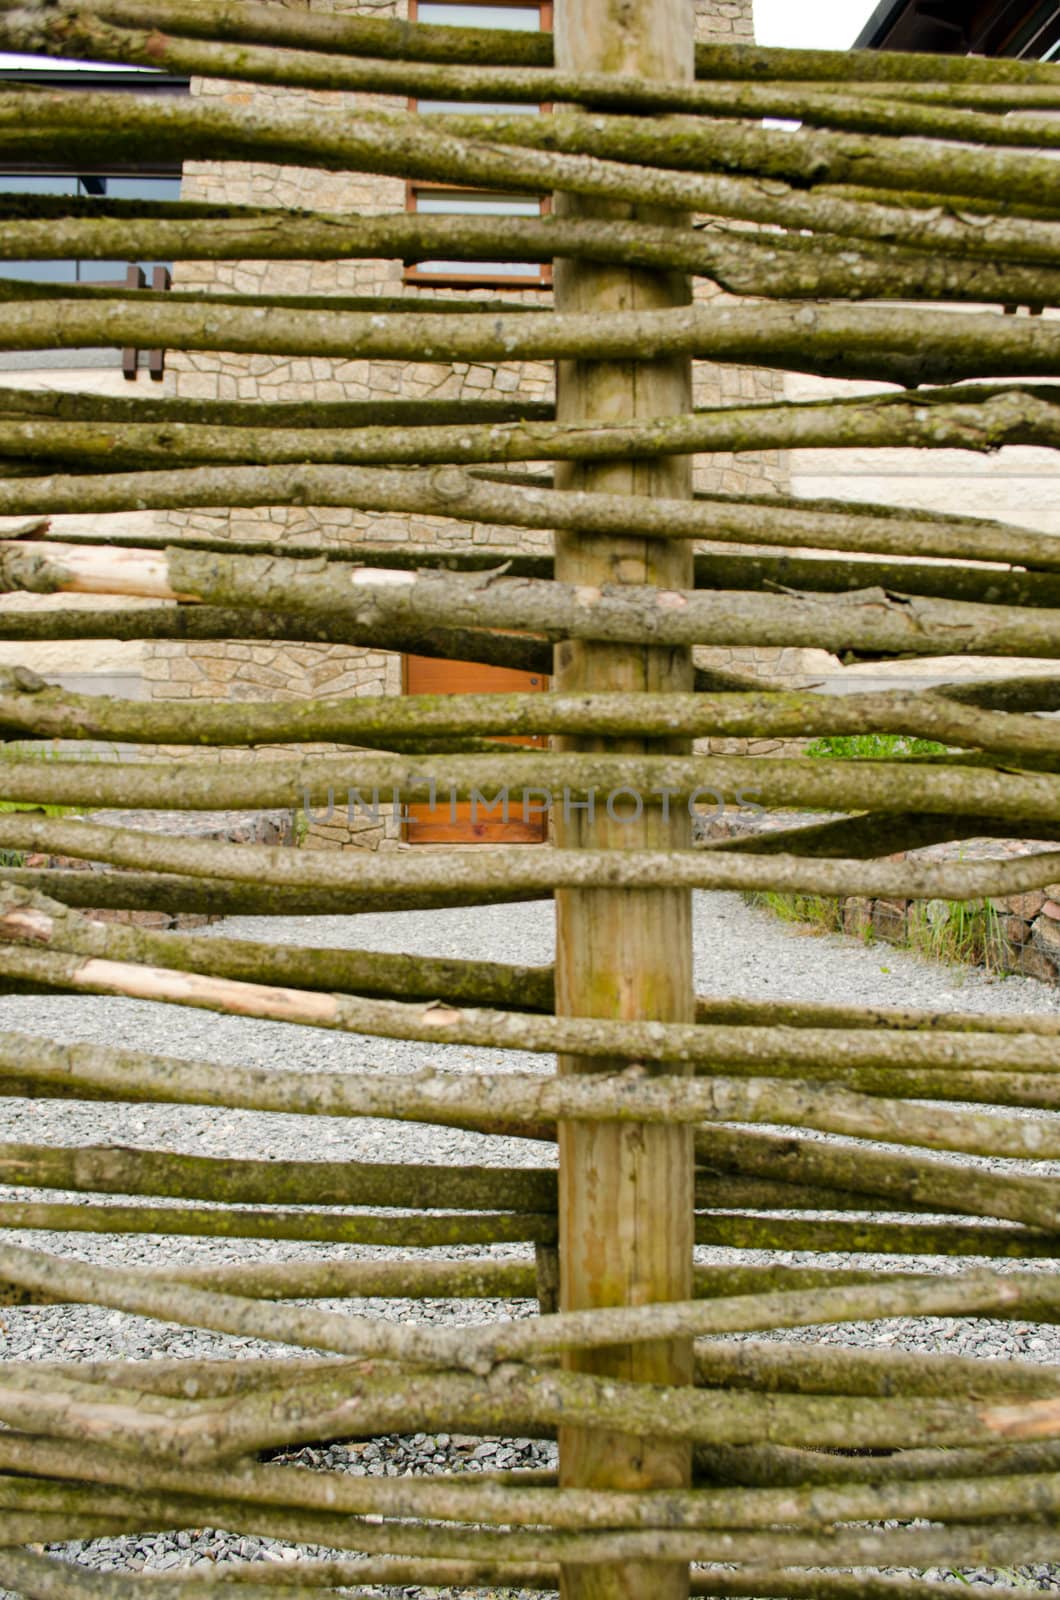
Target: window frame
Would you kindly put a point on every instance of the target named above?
(135, 273)
(411, 273)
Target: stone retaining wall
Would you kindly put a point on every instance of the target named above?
(1018, 933)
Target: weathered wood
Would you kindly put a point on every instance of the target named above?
(508, 873)
(982, 419)
(30, 708)
(625, 1190)
(376, 603)
(833, 341)
(478, 494)
(778, 266)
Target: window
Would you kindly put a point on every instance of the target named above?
(432, 199)
(156, 275)
(527, 18)
(85, 186)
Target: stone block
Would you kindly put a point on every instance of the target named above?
(1045, 938)
(1034, 963)
(1026, 905)
(890, 919)
(1016, 931)
(857, 916)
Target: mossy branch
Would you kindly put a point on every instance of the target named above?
(454, 493)
(517, 874)
(858, 342)
(31, 709)
(395, 601)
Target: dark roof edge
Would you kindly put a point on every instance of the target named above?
(91, 78)
(876, 28)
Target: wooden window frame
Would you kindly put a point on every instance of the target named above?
(542, 278)
(161, 281)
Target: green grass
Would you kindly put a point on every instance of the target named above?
(873, 747)
(962, 933)
(28, 750)
(958, 932)
(809, 910)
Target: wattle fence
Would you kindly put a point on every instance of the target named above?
(877, 241)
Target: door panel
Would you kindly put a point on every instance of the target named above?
(453, 824)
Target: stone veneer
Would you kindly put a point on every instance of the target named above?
(269, 671)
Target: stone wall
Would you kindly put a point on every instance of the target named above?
(1019, 485)
(115, 665)
(1016, 934)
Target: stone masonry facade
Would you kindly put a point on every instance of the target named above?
(250, 671)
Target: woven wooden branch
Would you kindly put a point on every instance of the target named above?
(257, 24)
(364, 597)
(777, 266)
(715, 571)
(835, 341)
(78, 33)
(512, 875)
(453, 493)
(863, 203)
(389, 142)
(30, 708)
(938, 420)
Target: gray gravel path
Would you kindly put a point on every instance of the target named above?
(739, 951)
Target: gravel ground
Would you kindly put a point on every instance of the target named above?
(739, 951)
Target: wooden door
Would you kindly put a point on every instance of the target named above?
(453, 823)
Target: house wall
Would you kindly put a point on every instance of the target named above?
(106, 666)
(1018, 485)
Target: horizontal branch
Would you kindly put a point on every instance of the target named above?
(775, 1367)
(366, 598)
(821, 1105)
(379, 785)
(807, 159)
(484, 1278)
(83, 36)
(899, 1177)
(452, 493)
(221, 897)
(114, 1169)
(34, 1068)
(861, 342)
(60, 405)
(395, 144)
(773, 573)
(736, 1011)
(445, 1231)
(247, 622)
(462, 1229)
(252, 1422)
(517, 873)
(29, 708)
(961, 419)
(80, 34)
(513, 1504)
(1035, 1092)
(256, 24)
(772, 266)
(996, 1544)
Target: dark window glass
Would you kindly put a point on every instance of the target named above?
(85, 185)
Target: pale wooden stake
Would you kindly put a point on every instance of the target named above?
(626, 1193)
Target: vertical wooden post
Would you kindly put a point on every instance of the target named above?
(626, 1192)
